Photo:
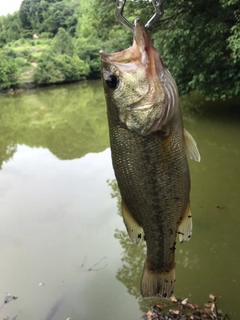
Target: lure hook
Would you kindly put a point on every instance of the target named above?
(119, 14)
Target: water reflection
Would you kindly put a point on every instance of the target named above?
(194, 106)
(69, 121)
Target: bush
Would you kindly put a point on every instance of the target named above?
(89, 52)
(21, 62)
(27, 33)
(62, 43)
(60, 69)
(46, 35)
(10, 53)
(26, 53)
(9, 73)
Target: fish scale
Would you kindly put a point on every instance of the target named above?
(140, 170)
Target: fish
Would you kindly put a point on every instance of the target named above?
(149, 149)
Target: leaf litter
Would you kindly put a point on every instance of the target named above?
(178, 309)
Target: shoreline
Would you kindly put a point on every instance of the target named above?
(33, 85)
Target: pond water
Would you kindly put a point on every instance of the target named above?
(63, 246)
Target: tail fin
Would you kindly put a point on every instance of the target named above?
(157, 283)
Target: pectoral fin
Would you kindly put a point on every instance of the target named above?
(185, 227)
(135, 232)
(190, 146)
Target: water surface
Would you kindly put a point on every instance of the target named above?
(61, 225)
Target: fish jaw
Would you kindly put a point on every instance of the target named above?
(146, 95)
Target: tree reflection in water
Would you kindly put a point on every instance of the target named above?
(70, 121)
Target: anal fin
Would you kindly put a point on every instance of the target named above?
(190, 146)
(185, 227)
(134, 230)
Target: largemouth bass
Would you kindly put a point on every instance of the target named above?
(149, 147)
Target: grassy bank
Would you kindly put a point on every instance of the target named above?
(26, 53)
(42, 62)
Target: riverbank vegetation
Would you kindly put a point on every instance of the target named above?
(58, 41)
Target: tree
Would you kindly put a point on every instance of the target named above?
(29, 11)
(89, 40)
(10, 28)
(60, 69)
(60, 15)
(204, 61)
(198, 41)
(62, 43)
(9, 73)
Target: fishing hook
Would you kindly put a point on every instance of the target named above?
(119, 14)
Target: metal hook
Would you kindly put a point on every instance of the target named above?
(119, 14)
(158, 13)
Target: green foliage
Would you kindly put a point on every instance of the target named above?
(9, 72)
(62, 43)
(88, 42)
(21, 62)
(89, 52)
(10, 28)
(53, 68)
(61, 14)
(46, 35)
(10, 53)
(234, 41)
(199, 42)
(203, 60)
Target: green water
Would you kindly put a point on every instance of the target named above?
(60, 220)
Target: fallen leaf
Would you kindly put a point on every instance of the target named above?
(192, 305)
(149, 313)
(208, 305)
(174, 311)
(213, 296)
(185, 301)
(173, 299)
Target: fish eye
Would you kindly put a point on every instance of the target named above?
(112, 81)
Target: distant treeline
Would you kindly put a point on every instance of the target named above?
(198, 40)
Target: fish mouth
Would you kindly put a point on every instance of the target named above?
(141, 51)
(148, 53)
(141, 39)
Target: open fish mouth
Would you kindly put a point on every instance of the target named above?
(141, 52)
